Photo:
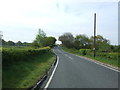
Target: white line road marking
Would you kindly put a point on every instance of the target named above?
(68, 56)
(46, 86)
(71, 58)
(99, 63)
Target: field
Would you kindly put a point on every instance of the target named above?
(23, 67)
(105, 57)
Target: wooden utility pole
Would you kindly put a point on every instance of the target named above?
(94, 35)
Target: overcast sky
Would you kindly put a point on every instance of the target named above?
(21, 19)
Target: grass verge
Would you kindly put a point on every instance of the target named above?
(98, 58)
(26, 73)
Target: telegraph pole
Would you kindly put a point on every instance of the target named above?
(94, 35)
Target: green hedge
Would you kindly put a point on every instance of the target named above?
(85, 51)
(114, 56)
(13, 55)
(108, 55)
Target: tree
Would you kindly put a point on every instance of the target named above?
(115, 48)
(4, 42)
(102, 44)
(82, 41)
(10, 43)
(35, 44)
(40, 37)
(26, 44)
(67, 40)
(19, 43)
(49, 41)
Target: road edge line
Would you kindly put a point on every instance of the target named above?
(40, 82)
(100, 63)
(46, 86)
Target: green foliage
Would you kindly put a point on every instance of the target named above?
(4, 42)
(40, 38)
(13, 55)
(88, 51)
(102, 44)
(82, 41)
(82, 51)
(85, 51)
(10, 43)
(67, 40)
(26, 44)
(115, 48)
(35, 44)
(49, 41)
(19, 43)
(109, 58)
(25, 72)
(111, 55)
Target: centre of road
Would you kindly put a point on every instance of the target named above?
(68, 56)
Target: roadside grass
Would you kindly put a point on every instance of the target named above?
(106, 60)
(25, 74)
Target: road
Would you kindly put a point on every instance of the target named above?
(75, 72)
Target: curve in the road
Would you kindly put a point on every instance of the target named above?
(76, 72)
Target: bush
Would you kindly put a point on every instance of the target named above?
(111, 55)
(13, 55)
(82, 51)
(85, 51)
(88, 51)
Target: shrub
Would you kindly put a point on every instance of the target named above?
(85, 51)
(13, 55)
(111, 55)
(88, 51)
(82, 51)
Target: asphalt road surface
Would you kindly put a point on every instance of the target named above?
(75, 72)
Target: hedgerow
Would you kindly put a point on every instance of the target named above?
(108, 55)
(13, 55)
(85, 51)
(111, 55)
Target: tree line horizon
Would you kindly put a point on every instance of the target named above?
(41, 40)
(80, 41)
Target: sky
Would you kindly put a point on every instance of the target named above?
(21, 19)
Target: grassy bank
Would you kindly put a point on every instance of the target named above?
(104, 59)
(26, 71)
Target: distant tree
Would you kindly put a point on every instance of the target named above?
(19, 43)
(26, 44)
(67, 40)
(49, 41)
(4, 42)
(115, 48)
(35, 44)
(10, 43)
(82, 41)
(40, 37)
